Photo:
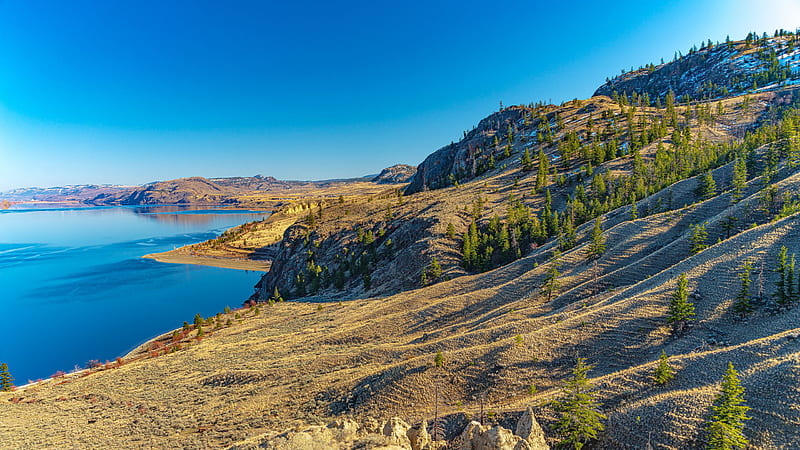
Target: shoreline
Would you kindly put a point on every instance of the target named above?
(175, 257)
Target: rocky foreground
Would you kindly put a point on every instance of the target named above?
(395, 433)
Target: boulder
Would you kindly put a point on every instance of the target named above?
(311, 438)
(419, 437)
(396, 430)
(371, 426)
(476, 437)
(344, 430)
(530, 430)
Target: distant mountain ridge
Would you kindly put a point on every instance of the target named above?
(77, 193)
(189, 190)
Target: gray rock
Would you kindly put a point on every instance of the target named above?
(530, 430)
(476, 437)
(396, 430)
(344, 430)
(419, 437)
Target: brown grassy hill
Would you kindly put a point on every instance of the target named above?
(381, 244)
(303, 362)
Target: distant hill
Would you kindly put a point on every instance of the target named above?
(76, 193)
(194, 190)
(399, 173)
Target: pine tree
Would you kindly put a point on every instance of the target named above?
(434, 269)
(727, 422)
(681, 310)
(739, 178)
(438, 361)
(790, 286)
(276, 295)
(742, 305)
(451, 230)
(551, 283)
(527, 162)
(698, 238)
(780, 294)
(664, 372)
(198, 320)
(598, 245)
(568, 238)
(6, 381)
(708, 187)
(580, 419)
(543, 171)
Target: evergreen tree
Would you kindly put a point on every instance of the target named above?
(451, 231)
(664, 372)
(708, 187)
(6, 381)
(276, 295)
(580, 419)
(527, 162)
(742, 306)
(551, 283)
(568, 238)
(198, 320)
(438, 360)
(434, 269)
(681, 310)
(699, 237)
(739, 178)
(543, 171)
(791, 291)
(598, 245)
(727, 422)
(780, 294)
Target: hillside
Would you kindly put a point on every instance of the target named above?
(490, 257)
(73, 193)
(715, 71)
(256, 191)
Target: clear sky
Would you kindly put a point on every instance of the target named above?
(128, 92)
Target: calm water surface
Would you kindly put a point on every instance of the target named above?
(75, 288)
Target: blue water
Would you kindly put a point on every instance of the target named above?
(73, 285)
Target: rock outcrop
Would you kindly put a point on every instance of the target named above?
(467, 158)
(419, 437)
(395, 433)
(399, 173)
(530, 430)
(396, 430)
(478, 437)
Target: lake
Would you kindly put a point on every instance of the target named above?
(75, 288)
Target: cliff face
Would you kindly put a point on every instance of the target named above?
(463, 161)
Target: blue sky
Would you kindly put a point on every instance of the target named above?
(131, 92)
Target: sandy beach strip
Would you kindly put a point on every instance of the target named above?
(226, 263)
